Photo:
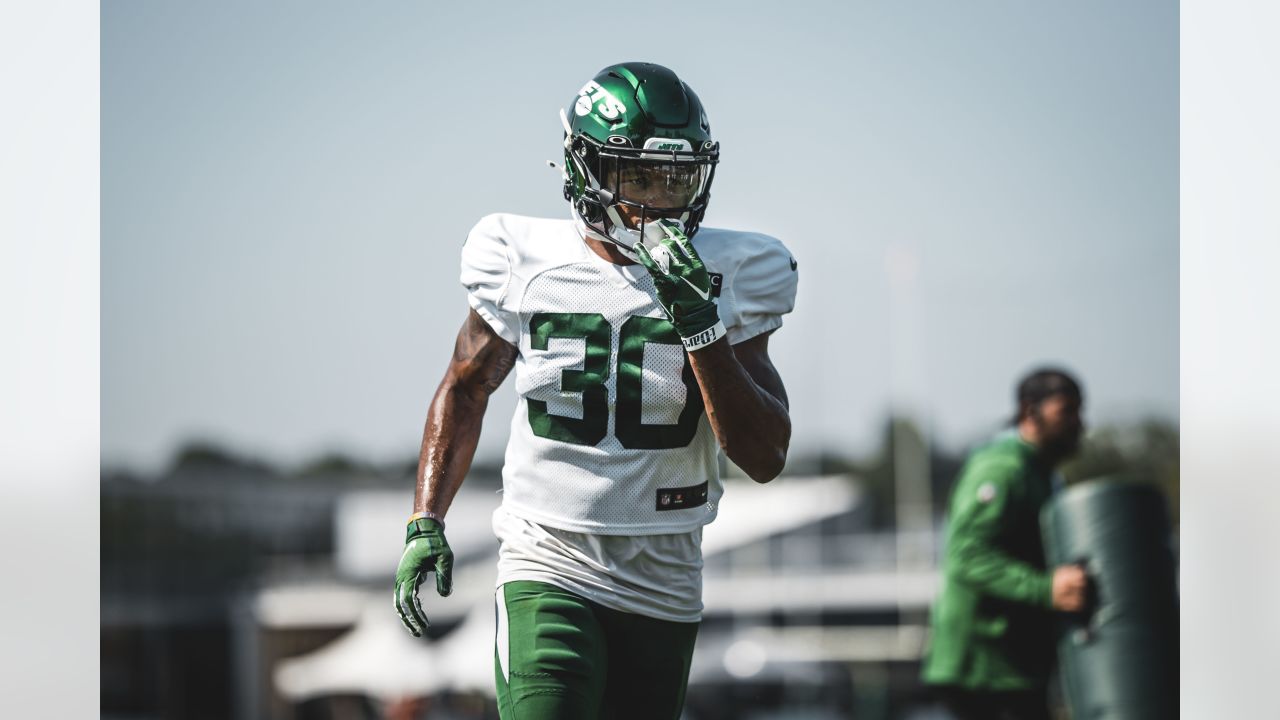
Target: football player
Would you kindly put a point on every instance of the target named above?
(640, 341)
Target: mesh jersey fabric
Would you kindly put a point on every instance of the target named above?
(606, 415)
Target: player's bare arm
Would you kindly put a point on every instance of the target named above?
(743, 395)
(746, 403)
(481, 361)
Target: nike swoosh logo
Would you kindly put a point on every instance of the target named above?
(701, 293)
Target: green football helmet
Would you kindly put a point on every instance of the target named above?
(637, 148)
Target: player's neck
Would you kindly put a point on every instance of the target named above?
(1046, 453)
(1027, 431)
(607, 251)
(1030, 434)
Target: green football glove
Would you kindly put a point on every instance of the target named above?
(683, 285)
(425, 550)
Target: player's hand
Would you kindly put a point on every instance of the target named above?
(1070, 588)
(683, 284)
(425, 551)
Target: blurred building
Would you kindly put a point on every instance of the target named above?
(229, 591)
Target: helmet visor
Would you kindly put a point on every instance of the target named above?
(656, 185)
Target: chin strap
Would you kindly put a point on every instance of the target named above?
(586, 230)
(620, 228)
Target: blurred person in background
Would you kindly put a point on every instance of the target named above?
(992, 644)
(640, 345)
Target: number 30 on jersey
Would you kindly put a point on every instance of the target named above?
(634, 334)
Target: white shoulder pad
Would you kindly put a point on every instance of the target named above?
(486, 274)
(760, 277)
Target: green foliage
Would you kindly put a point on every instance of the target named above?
(1145, 452)
(878, 474)
(901, 441)
(198, 458)
(336, 464)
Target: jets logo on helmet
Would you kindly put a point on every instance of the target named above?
(637, 148)
(665, 144)
(605, 104)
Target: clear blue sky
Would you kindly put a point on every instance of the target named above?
(286, 187)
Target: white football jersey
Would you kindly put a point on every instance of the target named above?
(609, 435)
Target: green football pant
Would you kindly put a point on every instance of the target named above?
(560, 656)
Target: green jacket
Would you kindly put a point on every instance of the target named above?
(992, 625)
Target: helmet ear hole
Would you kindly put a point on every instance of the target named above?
(588, 210)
